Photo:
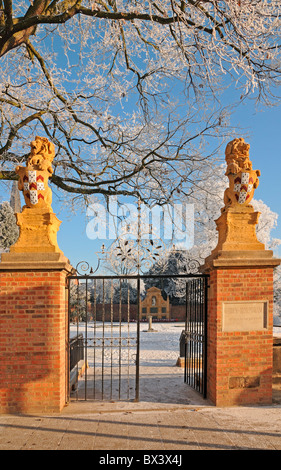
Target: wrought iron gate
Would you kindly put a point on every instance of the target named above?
(104, 333)
(196, 334)
(103, 315)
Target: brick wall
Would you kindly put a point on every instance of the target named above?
(33, 330)
(178, 312)
(239, 362)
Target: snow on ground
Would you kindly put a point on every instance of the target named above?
(277, 331)
(159, 347)
(160, 379)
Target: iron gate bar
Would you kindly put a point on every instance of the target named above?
(102, 361)
(138, 344)
(95, 333)
(141, 276)
(206, 285)
(86, 341)
(196, 335)
(120, 347)
(68, 344)
(194, 309)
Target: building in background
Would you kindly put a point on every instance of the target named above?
(154, 305)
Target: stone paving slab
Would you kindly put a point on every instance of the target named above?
(175, 419)
(145, 428)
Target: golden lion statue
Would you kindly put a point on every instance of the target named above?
(243, 180)
(237, 156)
(42, 154)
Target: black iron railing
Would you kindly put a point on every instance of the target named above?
(196, 334)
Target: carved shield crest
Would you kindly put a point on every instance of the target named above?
(243, 186)
(33, 186)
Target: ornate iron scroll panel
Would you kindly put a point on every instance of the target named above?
(195, 374)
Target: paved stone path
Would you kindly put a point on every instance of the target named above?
(175, 419)
(145, 428)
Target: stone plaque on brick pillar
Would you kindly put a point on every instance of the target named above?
(244, 316)
(240, 301)
(33, 320)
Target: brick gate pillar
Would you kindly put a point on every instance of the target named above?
(33, 301)
(240, 304)
(33, 334)
(240, 321)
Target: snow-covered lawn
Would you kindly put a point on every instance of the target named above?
(160, 346)
(160, 379)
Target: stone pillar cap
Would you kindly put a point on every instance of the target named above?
(35, 261)
(243, 259)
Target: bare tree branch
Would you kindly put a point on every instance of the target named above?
(129, 91)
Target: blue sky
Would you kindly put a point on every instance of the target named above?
(262, 130)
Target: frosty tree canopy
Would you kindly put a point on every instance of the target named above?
(128, 91)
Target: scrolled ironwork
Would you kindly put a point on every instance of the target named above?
(84, 267)
(193, 266)
(142, 253)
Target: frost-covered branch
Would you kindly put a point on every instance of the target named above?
(129, 91)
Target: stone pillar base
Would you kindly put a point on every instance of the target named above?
(38, 231)
(180, 362)
(237, 230)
